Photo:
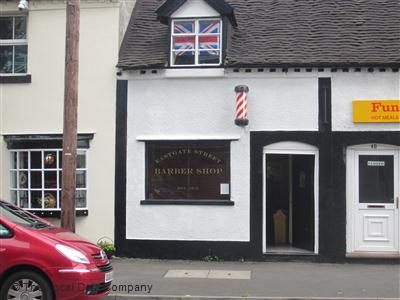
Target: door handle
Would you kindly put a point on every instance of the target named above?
(2, 249)
(397, 202)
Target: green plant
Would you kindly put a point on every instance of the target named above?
(210, 258)
(107, 245)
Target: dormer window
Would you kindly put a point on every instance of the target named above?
(196, 31)
(196, 42)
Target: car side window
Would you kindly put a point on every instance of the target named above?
(4, 232)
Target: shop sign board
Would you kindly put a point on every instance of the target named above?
(186, 170)
(376, 111)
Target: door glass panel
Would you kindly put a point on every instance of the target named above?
(376, 179)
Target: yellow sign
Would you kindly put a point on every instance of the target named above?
(376, 111)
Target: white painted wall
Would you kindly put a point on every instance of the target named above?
(205, 108)
(38, 107)
(276, 102)
(350, 86)
(194, 9)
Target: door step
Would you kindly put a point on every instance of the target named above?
(373, 255)
(277, 250)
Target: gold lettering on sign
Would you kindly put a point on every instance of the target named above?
(184, 151)
(209, 171)
(173, 171)
(188, 171)
(208, 155)
(190, 188)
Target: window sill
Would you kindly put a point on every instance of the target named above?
(187, 202)
(194, 72)
(56, 213)
(23, 78)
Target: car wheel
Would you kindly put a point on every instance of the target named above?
(26, 285)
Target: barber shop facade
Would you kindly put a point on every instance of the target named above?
(227, 152)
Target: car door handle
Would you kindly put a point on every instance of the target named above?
(2, 249)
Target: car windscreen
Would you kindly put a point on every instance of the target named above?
(20, 217)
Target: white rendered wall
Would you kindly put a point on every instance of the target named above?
(37, 108)
(195, 8)
(350, 86)
(203, 108)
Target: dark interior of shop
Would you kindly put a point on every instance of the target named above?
(290, 203)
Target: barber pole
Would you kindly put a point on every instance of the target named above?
(241, 105)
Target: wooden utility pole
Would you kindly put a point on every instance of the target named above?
(70, 116)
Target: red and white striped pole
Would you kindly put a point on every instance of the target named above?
(241, 105)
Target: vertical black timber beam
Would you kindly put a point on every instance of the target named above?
(329, 231)
(325, 104)
(120, 165)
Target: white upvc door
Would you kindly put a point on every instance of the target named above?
(374, 180)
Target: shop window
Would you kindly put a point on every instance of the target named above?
(196, 42)
(36, 175)
(188, 171)
(13, 45)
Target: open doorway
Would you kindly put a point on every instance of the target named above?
(290, 202)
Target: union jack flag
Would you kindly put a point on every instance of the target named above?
(183, 27)
(209, 40)
(209, 27)
(206, 41)
(182, 44)
(209, 45)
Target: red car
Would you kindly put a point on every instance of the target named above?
(41, 261)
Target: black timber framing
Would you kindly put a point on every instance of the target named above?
(27, 78)
(120, 166)
(34, 141)
(324, 104)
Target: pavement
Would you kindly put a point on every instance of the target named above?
(198, 280)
